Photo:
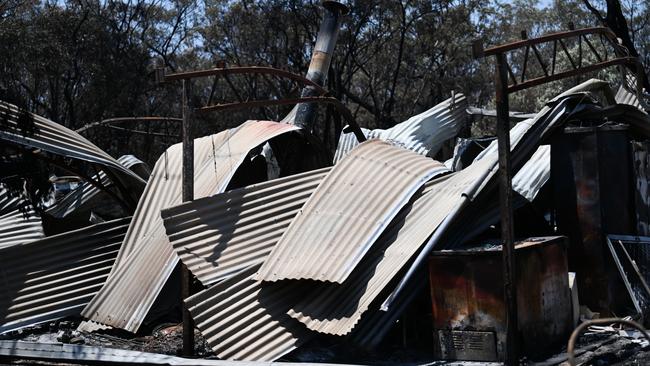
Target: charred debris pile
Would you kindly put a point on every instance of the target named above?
(388, 250)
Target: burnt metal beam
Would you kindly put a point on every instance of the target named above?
(188, 195)
(506, 211)
(575, 72)
(492, 51)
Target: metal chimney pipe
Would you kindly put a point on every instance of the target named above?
(320, 60)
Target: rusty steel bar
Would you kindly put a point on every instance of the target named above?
(506, 212)
(320, 60)
(539, 59)
(606, 321)
(550, 37)
(578, 71)
(347, 115)
(188, 195)
(244, 70)
(523, 68)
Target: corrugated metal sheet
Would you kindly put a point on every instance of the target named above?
(623, 96)
(146, 258)
(423, 133)
(56, 276)
(336, 309)
(86, 192)
(79, 354)
(349, 210)
(218, 236)
(244, 319)
(57, 139)
(530, 179)
(17, 227)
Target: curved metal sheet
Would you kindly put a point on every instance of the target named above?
(146, 258)
(57, 139)
(423, 133)
(220, 235)
(55, 277)
(336, 309)
(349, 210)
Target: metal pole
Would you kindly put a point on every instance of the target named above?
(320, 60)
(505, 202)
(188, 195)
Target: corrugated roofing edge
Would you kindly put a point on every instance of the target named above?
(56, 276)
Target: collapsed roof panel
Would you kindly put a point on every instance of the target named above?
(146, 259)
(19, 223)
(243, 319)
(347, 212)
(423, 133)
(336, 309)
(56, 276)
(57, 139)
(218, 236)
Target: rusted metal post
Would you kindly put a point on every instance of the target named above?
(320, 60)
(188, 195)
(505, 202)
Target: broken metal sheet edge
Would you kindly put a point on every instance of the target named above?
(57, 139)
(348, 211)
(143, 268)
(93, 354)
(220, 235)
(423, 133)
(56, 276)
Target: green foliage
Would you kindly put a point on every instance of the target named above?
(77, 62)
